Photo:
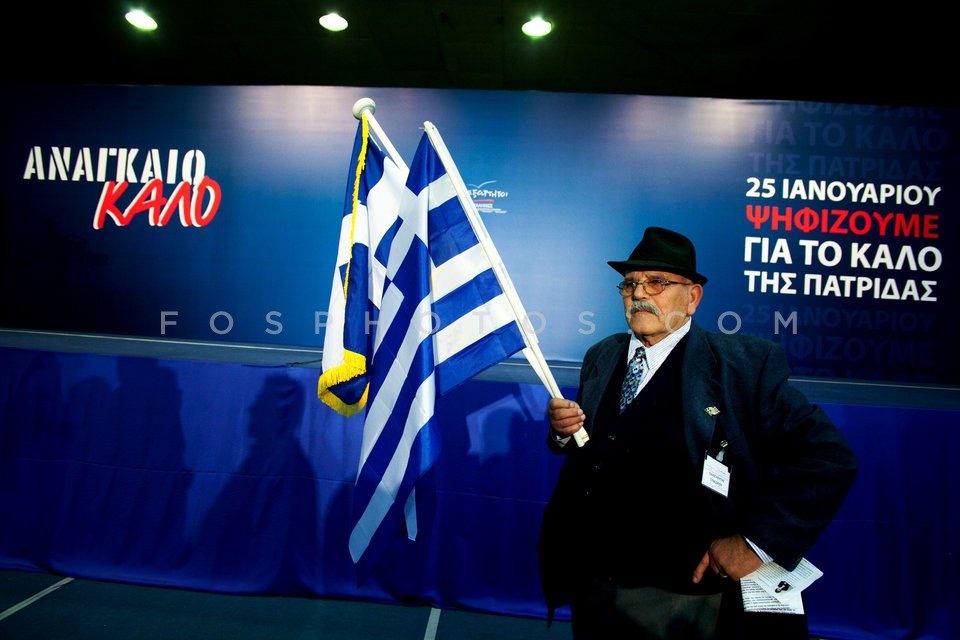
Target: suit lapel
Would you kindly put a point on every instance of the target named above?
(702, 395)
(596, 383)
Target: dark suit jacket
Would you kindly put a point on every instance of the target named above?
(791, 468)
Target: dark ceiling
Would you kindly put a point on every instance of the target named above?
(753, 49)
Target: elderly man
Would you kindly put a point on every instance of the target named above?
(702, 463)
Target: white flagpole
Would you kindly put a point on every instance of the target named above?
(532, 351)
(368, 106)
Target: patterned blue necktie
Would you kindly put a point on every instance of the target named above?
(636, 369)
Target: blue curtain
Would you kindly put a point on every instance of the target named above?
(234, 478)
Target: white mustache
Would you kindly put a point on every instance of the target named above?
(643, 305)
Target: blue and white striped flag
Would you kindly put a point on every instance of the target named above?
(444, 318)
(370, 219)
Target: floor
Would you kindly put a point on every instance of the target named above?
(39, 606)
(36, 606)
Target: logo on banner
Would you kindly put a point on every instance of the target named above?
(135, 181)
(486, 198)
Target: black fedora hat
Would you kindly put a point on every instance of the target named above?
(662, 250)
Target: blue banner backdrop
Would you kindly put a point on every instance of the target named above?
(212, 213)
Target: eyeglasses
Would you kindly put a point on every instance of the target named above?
(652, 287)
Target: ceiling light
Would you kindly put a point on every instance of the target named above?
(141, 20)
(333, 22)
(537, 27)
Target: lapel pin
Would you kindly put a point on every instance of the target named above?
(712, 411)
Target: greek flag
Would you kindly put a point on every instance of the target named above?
(444, 318)
(369, 222)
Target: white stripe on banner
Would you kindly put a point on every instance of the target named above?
(440, 190)
(386, 494)
(457, 270)
(382, 406)
(473, 326)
